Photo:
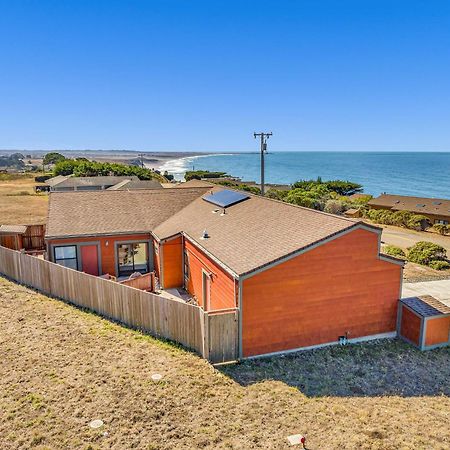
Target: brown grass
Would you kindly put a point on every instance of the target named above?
(62, 367)
(18, 202)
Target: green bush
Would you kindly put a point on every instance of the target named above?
(439, 265)
(334, 206)
(199, 174)
(394, 251)
(425, 252)
(441, 228)
(418, 222)
(85, 168)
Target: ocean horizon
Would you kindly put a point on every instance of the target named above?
(422, 174)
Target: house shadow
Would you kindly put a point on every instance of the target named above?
(371, 369)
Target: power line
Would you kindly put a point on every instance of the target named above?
(263, 143)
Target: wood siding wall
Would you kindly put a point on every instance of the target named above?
(172, 263)
(160, 316)
(410, 326)
(223, 287)
(107, 248)
(437, 331)
(338, 287)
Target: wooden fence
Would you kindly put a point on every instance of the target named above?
(214, 336)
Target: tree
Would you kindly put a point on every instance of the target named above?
(52, 158)
(168, 176)
(424, 253)
(199, 174)
(338, 186)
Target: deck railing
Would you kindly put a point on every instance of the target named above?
(213, 336)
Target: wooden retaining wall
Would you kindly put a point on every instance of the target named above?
(214, 336)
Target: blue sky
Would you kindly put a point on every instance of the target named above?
(203, 75)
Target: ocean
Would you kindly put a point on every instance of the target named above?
(405, 173)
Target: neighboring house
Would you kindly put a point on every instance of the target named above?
(435, 209)
(299, 277)
(69, 183)
(136, 185)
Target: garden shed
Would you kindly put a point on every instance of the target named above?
(424, 322)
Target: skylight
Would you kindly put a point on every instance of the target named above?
(225, 198)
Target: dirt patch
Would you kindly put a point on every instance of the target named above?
(61, 368)
(19, 204)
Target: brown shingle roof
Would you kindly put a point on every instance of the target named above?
(252, 233)
(426, 306)
(113, 212)
(419, 205)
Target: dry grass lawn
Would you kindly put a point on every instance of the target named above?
(19, 204)
(62, 367)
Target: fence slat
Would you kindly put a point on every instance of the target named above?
(213, 336)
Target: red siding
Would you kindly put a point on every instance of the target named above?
(437, 331)
(223, 289)
(410, 326)
(172, 252)
(107, 248)
(338, 287)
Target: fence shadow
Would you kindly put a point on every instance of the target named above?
(371, 369)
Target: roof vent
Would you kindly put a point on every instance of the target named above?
(205, 234)
(420, 205)
(223, 212)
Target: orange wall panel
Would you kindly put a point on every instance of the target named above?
(107, 248)
(338, 287)
(223, 289)
(437, 331)
(172, 258)
(410, 325)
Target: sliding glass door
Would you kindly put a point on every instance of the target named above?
(132, 258)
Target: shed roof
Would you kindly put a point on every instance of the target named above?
(253, 233)
(419, 205)
(13, 229)
(426, 306)
(88, 213)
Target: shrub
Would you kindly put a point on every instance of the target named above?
(401, 218)
(52, 158)
(394, 251)
(424, 252)
(441, 228)
(439, 265)
(199, 174)
(334, 206)
(418, 222)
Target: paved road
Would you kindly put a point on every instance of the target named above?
(406, 238)
(438, 289)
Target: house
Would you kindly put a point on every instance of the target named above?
(437, 210)
(299, 278)
(62, 183)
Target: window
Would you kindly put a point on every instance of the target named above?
(132, 258)
(66, 256)
(186, 268)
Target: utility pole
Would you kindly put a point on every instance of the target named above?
(263, 141)
(141, 156)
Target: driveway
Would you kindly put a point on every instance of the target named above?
(406, 238)
(438, 289)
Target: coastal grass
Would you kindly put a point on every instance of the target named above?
(62, 367)
(19, 204)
